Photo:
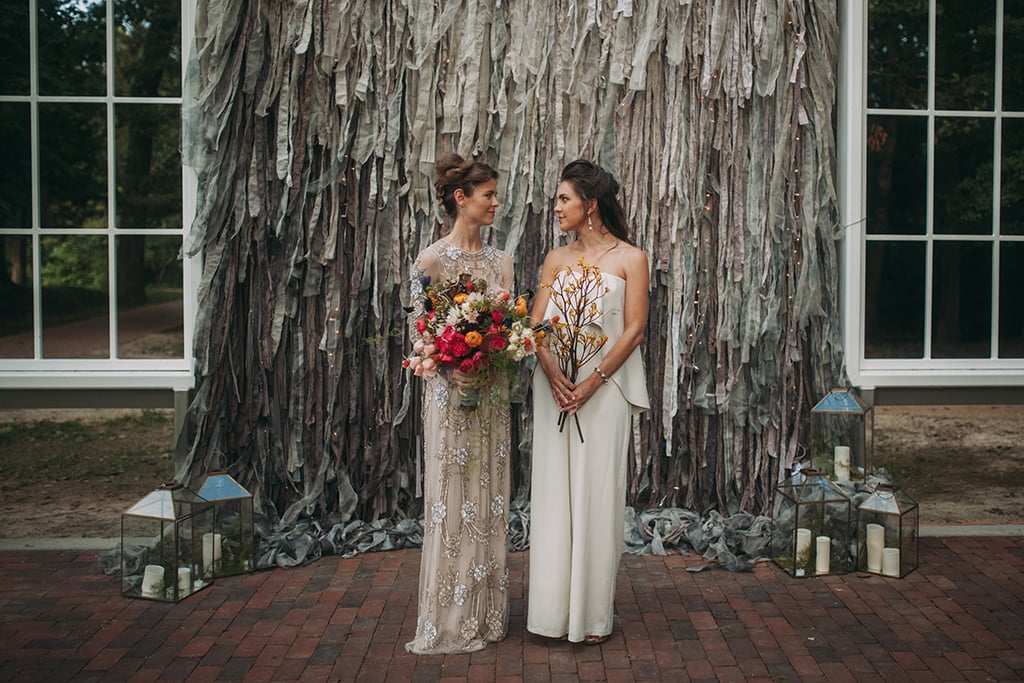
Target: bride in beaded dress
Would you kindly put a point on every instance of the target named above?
(463, 587)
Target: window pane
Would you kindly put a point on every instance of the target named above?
(76, 311)
(963, 176)
(894, 300)
(72, 40)
(16, 151)
(962, 300)
(148, 166)
(965, 63)
(149, 297)
(1011, 210)
(898, 54)
(897, 175)
(147, 50)
(1013, 55)
(72, 165)
(16, 296)
(14, 47)
(1011, 303)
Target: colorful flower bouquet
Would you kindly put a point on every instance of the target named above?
(573, 339)
(465, 328)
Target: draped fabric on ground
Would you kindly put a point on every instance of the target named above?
(313, 127)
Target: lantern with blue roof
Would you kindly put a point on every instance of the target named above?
(810, 526)
(842, 427)
(887, 532)
(230, 549)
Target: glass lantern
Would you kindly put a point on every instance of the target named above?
(842, 436)
(233, 550)
(811, 526)
(161, 545)
(887, 530)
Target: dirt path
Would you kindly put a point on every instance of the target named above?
(962, 464)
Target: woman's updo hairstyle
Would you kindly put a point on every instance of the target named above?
(452, 172)
(593, 182)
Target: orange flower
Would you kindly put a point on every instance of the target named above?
(474, 339)
(521, 307)
(460, 298)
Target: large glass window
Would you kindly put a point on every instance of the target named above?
(91, 201)
(943, 150)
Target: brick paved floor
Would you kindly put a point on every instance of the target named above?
(959, 617)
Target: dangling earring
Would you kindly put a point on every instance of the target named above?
(590, 223)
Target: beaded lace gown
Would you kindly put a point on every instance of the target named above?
(463, 589)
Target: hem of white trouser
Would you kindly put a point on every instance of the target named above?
(545, 634)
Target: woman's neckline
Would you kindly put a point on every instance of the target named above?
(449, 245)
(575, 270)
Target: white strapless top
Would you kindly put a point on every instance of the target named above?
(630, 377)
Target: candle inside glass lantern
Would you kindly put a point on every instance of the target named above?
(211, 550)
(803, 549)
(823, 555)
(841, 463)
(891, 561)
(875, 541)
(152, 580)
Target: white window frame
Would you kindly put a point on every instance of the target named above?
(107, 373)
(851, 183)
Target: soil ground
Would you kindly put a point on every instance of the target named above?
(71, 473)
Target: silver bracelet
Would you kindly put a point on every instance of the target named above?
(599, 371)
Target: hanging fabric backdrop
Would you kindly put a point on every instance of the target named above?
(313, 127)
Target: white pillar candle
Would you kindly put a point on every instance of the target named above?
(875, 542)
(891, 561)
(841, 463)
(823, 559)
(211, 549)
(803, 548)
(184, 580)
(152, 580)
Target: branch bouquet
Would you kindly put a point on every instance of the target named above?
(463, 327)
(573, 340)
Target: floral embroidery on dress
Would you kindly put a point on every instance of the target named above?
(496, 622)
(461, 593)
(441, 394)
(478, 572)
(468, 512)
(429, 633)
(438, 511)
(469, 628)
(498, 506)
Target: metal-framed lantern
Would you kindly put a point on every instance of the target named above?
(231, 544)
(811, 526)
(888, 525)
(161, 545)
(842, 433)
